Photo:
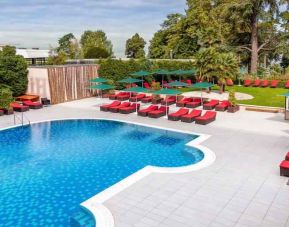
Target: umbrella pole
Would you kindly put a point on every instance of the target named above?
(142, 81)
(162, 81)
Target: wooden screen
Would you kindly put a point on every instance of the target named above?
(70, 82)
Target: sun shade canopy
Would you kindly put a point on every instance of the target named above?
(167, 92)
(202, 85)
(98, 80)
(141, 73)
(177, 84)
(129, 80)
(102, 87)
(137, 90)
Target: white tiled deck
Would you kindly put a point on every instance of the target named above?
(242, 187)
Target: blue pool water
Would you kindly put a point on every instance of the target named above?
(48, 169)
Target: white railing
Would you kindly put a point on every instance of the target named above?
(22, 118)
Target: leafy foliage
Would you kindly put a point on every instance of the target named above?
(135, 47)
(5, 97)
(66, 45)
(58, 59)
(13, 71)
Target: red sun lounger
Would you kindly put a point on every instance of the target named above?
(124, 96)
(223, 106)
(130, 109)
(274, 84)
(137, 98)
(115, 109)
(33, 105)
(257, 83)
(177, 115)
(147, 99)
(18, 107)
(144, 112)
(195, 103)
(169, 101)
(229, 82)
(211, 105)
(207, 118)
(247, 83)
(183, 102)
(113, 104)
(287, 84)
(146, 85)
(284, 168)
(265, 83)
(189, 118)
(162, 111)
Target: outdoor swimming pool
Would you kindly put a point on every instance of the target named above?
(48, 169)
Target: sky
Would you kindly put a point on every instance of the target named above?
(40, 23)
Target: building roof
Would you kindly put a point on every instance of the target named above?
(33, 53)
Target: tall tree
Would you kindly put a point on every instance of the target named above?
(135, 47)
(95, 44)
(65, 44)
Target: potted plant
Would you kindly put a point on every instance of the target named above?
(5, 99)
(156, 98)
(234, 107)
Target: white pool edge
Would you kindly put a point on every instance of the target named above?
(101, 213)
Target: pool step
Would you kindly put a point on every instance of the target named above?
(82, 219)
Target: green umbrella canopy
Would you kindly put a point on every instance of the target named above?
(177, 72)
(167, 92)
(286, 95)
(101, 87)
(98, 80)
(191, 71)
(141, 73)
(177, 84)
(137, 90)
(202, 85)
(129, 81)
(161, 72)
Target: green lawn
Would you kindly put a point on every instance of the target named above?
(262, 96)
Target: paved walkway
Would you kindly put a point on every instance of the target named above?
(242, 188)
(217, 95)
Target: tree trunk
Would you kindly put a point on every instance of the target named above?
(254, 43)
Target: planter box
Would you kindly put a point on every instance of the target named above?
(233, 109)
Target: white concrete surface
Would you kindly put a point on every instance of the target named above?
(217, 95)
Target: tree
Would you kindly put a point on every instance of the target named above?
(158, 45)
(5, 97)
(59, 59)
(258, 19)
(66, 45)
(95, 41)
(13, 70)
(135, 47)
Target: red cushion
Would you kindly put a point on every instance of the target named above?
(284, 164)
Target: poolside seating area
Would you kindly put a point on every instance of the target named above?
(264, 83)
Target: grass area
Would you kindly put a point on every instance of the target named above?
(262, 96)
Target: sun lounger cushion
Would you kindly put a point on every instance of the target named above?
(208, 117)
(177, 115)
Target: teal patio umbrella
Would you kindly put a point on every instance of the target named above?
(177, 84)
(167, 92)
(101, 87)
(201, 86)
(129, 80)
(137, 90)
(98, 80)
(161, 72)
(141, 74)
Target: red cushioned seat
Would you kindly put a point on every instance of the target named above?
(284, 164)
(284, 168)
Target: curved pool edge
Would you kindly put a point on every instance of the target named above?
(102, 215)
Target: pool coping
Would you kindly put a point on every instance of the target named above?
(102, 215)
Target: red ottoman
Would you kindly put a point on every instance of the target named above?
(284, 168)
(287, 157)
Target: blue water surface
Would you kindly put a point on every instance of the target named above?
(48, 169)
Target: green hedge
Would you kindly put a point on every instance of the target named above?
(115, 70)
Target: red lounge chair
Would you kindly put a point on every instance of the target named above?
(210, 105)
(177, 115)
(18, 107)
(287, 157)
(146, 85)
(184, 101)
(229, 82)
(144, 112)
(189, 82)
(207, 118)
(257, 83)
(113, 104)
(112, 96)
(265, 83)
(1, 112)
(274, 83)
(147, 99)
(284, 168)
(287, 84)
(223, 106)
(124, 96)
(247, 83)
(169, 101)
(115, 109)
(137, 98)
(130, 109)
(33, 105)
(189, 118)
(162, 111)
(195, 103)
